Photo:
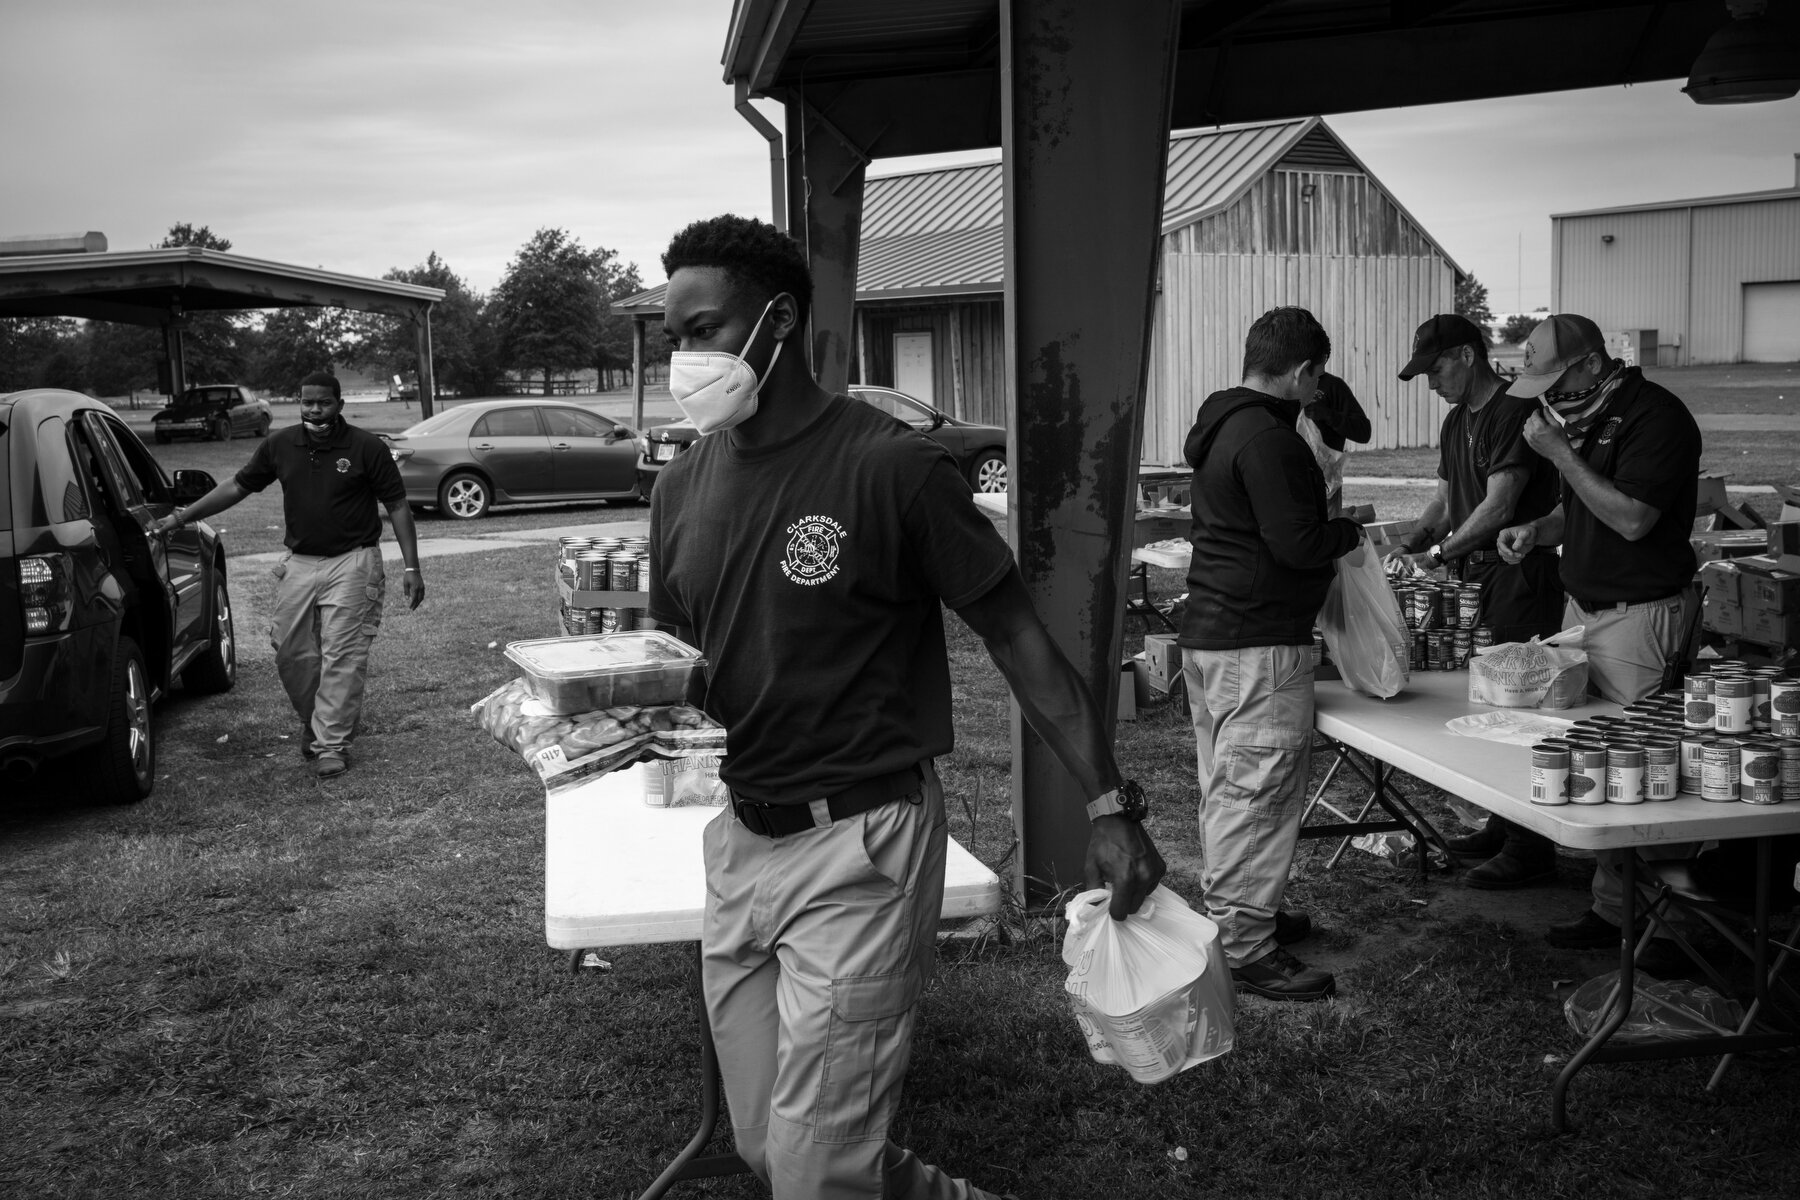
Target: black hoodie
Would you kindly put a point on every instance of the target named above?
(1263, 545)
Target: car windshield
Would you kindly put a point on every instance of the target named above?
(437, 423)
(210, 395)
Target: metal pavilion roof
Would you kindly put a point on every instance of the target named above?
(939, 231)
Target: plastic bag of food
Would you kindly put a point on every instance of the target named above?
(1542, 673)
(1362, 626)
(566, 748)
(685, 782)
(1662, 1010)
(1151, 993)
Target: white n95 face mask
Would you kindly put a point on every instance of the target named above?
(715, 389)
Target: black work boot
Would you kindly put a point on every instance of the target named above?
(1524, 859)
(1483, 844)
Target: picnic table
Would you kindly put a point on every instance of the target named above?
(1407, 733)
(618, 872)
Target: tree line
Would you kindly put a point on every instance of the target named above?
(550, 315)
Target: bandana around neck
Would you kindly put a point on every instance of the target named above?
(1578, 411)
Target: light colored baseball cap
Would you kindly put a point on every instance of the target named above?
(1554, 346)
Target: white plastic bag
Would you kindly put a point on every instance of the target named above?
(1331, 462)
(1547, 673)
(1151, 993)
(1362, 627)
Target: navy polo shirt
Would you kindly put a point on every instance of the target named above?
(329, 489)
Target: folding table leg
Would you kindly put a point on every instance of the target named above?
(690, 1164)
(1621, 1000)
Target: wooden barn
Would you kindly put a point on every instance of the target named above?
(1254, 216)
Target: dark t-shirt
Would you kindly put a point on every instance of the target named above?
(1475, 445)
(811, 574)
(329, 489)
(1646, 442)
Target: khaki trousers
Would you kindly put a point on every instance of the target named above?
(1253, 731)
(327, 612)
(814, 950)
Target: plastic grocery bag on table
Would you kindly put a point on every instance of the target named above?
(1543, 673)
(1151, 993)
(1362, 626)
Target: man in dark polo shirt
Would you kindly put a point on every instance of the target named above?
(1629, 454)
(1488, 479)
(807, 544)
(330, 585)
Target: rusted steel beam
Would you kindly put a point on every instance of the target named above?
(427, 373)
(1086, 89)
(825, 197)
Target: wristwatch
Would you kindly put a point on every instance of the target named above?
(1436, 553)
(1127, 800)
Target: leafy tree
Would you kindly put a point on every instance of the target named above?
(614, 352)
(1518, 327)
(213, 342)
(549, 306)
(1472, 302)
(121, 358)
(294, 342)
(40, 352)
(463, 349)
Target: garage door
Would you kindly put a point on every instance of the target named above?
(1772, 322)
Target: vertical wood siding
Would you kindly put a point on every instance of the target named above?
(969, 376)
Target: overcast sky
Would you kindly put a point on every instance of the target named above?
(361, 136)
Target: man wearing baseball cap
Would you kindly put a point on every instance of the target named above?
(1628, 451)
(1488, 479)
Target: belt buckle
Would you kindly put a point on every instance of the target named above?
(749, 817)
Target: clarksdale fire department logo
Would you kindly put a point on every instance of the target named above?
(343, 466)
(812, 550)
(1612, 427)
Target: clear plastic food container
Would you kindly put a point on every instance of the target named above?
(606, 670)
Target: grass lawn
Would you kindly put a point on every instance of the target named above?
(254, 983)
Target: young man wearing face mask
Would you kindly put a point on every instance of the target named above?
(1629, 455)
(805, 544)
(329, 589)
(1488, 479)
(1263, 554)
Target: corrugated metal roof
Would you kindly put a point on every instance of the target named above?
(1699, 202)
(939, 230)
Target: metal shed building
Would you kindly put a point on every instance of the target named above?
(1716, 278)
(1253, 216)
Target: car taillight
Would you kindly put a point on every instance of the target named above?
(45, 595)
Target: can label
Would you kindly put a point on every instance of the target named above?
(1449, 607)
(590, 571)
(1424, 608)
(621, 571)
(1587, 776)
(1790, 768)
(1719, 772)
(1662, 770)
(1785, 727)
(609, 620)
(1625, 775)
(1759, 774)
(1482, 638)
(1734, 706)
(1549, 775)
(1468, 606)
(1760, 701)
(1461, 646)
(1784, 700)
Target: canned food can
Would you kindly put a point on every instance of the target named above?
(1693, 747)
(1624, 774)
(1784, 700)
(621, 571)
(609, 620)
(1403, 597)
(1662, 769)
(628, 619)
(1424, 608)
(1482, 638)
(1733, 703)
(1785, 727)
(1760, 701)
(1461, 646)
(605, 545)
(1759, 773)
(1420, 655)
(1449, 604)
(1468, 606)
(1442, 650)
(1587, 775)
(1790, 768)
(590, 571)
(1719, 771)
(1549, 774)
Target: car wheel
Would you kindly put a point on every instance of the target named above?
(464, 495)
(162, 438)
(988, 472)
(216, 669)
(122, 769)
(262, 428)
(221, 429)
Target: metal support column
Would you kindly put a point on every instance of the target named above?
(175, 348)
(825, 185)
(427, 378)
(1086, 91)
(637, 373)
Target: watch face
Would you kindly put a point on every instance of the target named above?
(1133, 805)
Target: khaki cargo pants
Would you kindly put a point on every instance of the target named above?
(814, 950)
(327, 612)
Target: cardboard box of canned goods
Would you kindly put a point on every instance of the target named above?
(1766, 586)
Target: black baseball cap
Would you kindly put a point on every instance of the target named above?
(1446, 331)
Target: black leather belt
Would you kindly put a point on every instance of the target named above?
(780, 820)
(1599, 606)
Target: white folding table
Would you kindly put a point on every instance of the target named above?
(1408, 733)
(618, 872)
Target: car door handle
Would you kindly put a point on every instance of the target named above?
(559, 445)
(484, 445)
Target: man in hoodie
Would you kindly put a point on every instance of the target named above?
(1263, 554)
(1629, 454)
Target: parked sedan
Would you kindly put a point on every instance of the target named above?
(217, 411)
(979, 450)
(467, 458)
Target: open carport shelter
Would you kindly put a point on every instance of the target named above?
(1081, 97)
(158, 288)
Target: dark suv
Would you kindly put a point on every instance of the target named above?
(98, 616)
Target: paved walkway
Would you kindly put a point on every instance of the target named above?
(512, 539)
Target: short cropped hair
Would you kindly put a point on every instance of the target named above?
(1282, 339)
(757, 256)
(324, 379)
